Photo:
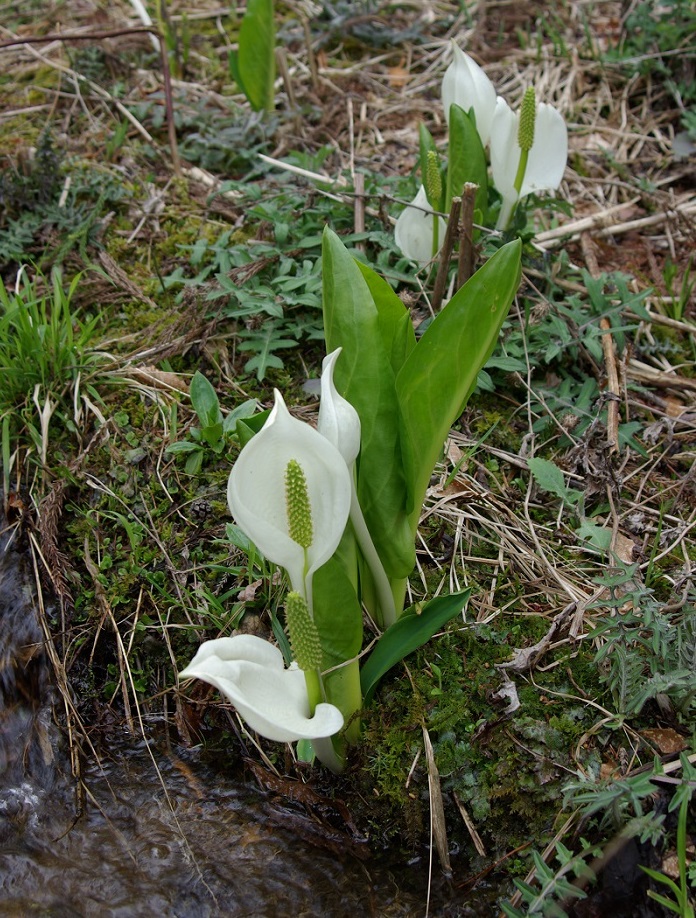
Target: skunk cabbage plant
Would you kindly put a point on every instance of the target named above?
(339, 507)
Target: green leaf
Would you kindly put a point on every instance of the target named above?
(440, 373)
(267, 341)
(466, 159)
(182, 446)
(339, 620)
(241, 412)
(205, 401)
(239, 539)
(365, 377)
(249, 427)
(550, 478)
(407, 634)
(598, 537)
(393, 319)
(255, 60)
(194, 463)
(233, 61)
(337, 613)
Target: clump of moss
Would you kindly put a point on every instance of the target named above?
(508, 770)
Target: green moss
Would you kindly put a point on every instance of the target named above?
(508, 771)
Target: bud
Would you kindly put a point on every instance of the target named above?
(525, 132)
(433, 179)
(304, 637)
(297, 505)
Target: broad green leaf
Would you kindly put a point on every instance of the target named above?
(407, 634)
(233, 60)
(440, 373)
(364, 376)
(337, 613)
(194, 463)
(466, 159)
(237, 538)
(255, 61)
(205, 401)
(182, 446)
(245, 410)
(339, 620)
(598, 537)
(394, 320)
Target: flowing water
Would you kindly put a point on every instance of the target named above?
(160, 833)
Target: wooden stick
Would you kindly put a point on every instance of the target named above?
(465, 265)
(311, 58)
(609, 352)
(446, 254)
(359, 207)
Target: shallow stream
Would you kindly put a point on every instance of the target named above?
(160, 833)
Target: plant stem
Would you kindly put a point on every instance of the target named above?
(383, 588)
(507, 208)
(315, 689)
(446, 255)
(465, 264)
(343, 690)
(521, 169)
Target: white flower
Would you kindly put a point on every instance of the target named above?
(414, 229)
(272, 700)
(256, 493)
(338, 420)
(547, 157)
(466, 85)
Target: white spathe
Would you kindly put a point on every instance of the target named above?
(413, 232)
(273, 700)
(257, 499)
(338, 420)
(465, 84)
(547, 156)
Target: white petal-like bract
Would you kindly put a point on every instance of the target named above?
(547, 157)
(414, 229)
(273, 700)
(257, 498)
(465, 84)
(338, 419)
